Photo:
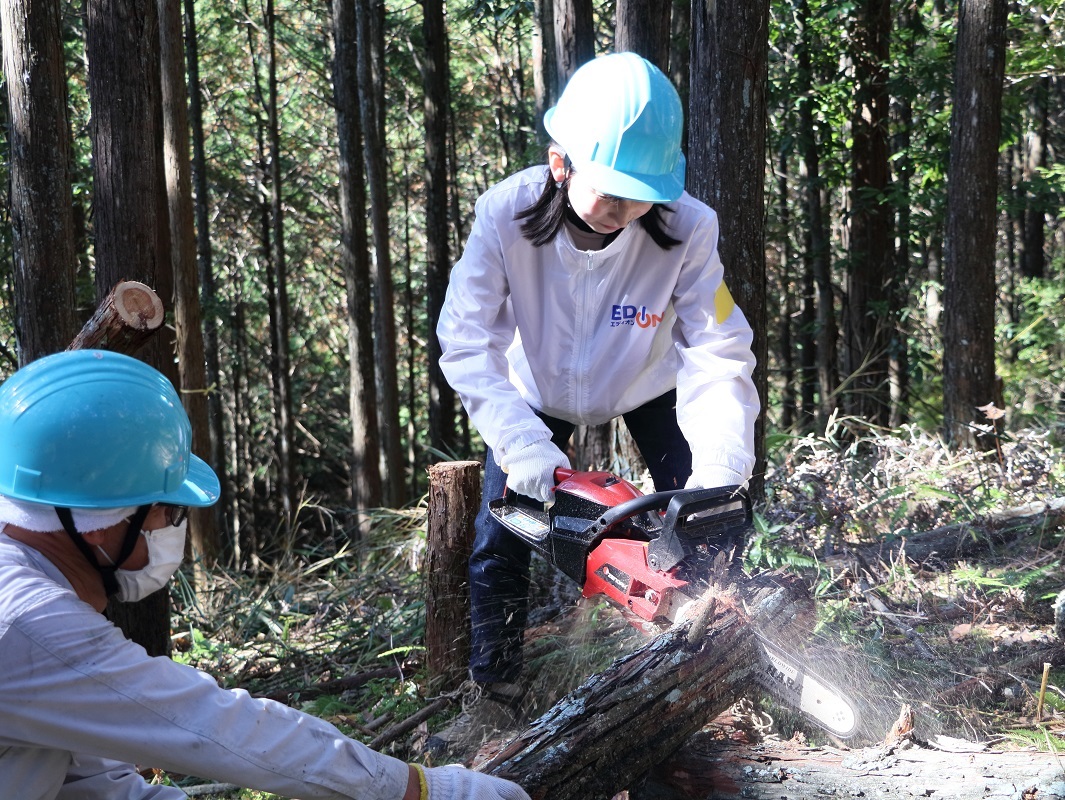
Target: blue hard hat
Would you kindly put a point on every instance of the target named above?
(620, 120)
(96, 429)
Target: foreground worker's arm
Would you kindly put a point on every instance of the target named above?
(72, 684)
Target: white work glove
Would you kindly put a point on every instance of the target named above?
(531, 469)
(455, 782)
(714, 477)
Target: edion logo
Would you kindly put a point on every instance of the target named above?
(633, 315)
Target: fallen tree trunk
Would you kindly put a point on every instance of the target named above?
(953, 542)
(946, 768)
(614, 728)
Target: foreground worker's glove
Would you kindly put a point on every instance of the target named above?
(455, 782)
(713, 477)
(531, 469)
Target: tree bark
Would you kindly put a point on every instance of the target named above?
(574, 38)
(130, 220)
(205, 270)
(868, 324)
(280, 350)
(726, 161)
(188, 321)
(613, 729)
(354, 259)
(435, 74)
(42, 218)
(375, 158)
(969, 272)
(643, 26)
(454, 499)
(544, 61)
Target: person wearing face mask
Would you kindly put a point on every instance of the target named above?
(96, 476)
(588, 290)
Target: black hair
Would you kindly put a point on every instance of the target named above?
(542, 221)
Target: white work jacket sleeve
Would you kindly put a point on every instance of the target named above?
(717, 402)
(71, 682)
(477, 326)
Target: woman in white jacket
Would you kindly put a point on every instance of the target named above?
(589, 290)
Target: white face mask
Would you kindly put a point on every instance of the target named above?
(166, 548)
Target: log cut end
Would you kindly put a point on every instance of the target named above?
(138, 306)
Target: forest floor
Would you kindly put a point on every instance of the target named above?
(969, 644)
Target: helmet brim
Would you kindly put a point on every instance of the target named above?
(634, 186)
(201, 486)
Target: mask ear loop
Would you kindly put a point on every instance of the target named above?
(107, 573)
(132, 532)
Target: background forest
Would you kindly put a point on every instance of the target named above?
(322, 162)
(279, 274)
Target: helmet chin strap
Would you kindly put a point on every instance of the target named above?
(107, 572)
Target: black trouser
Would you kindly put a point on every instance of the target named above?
(499, 565)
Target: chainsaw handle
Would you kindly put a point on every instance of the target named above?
(656, 501)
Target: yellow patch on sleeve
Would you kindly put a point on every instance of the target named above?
(723, 304)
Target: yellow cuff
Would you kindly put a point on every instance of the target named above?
(423, 793)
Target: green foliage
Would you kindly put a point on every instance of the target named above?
(1034, 376)
(766, 547)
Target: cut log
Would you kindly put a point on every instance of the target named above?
(614, 728)
(945, 768)
(454, 498)
(123, 322)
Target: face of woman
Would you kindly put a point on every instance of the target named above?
(601, 212)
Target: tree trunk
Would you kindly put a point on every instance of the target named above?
(129, 201)
(643, 26)
(203, 533)
(1033, 257)
(280, 355)
(817, 239)
(544, 61)
(868, 325)
(436, 79)
(680, 57)
(205, 270)
(613, 729)
(354, 259)
(454, 499)
(726, 162)
(375, 159)
(574, 37)
(42, 219)
(969, 272)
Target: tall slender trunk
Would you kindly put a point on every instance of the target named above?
(355, 262)
(375, 159)
(280, 357)
(435, 77)
(203, 534)
(205, 268)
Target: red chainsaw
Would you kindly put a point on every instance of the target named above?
(651, 555)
